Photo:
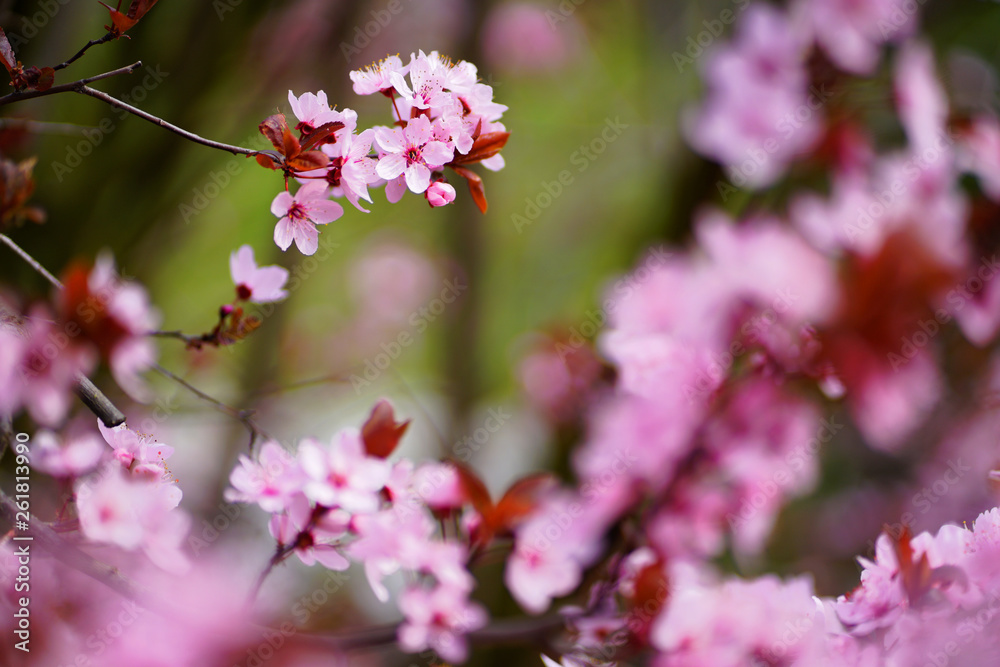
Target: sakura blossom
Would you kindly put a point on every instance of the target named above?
(411, 152)
(746, 369)
(300, 213)
(257, 284)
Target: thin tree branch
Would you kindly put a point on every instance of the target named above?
(31, 261)
(91, 396)
(94, 42)
(244, 416)
(82, 88)
(71, 87)
(155, 120)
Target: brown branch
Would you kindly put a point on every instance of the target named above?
(94, 42)
(31, 261)
(71, 87)
(82, 88)
(155, 120)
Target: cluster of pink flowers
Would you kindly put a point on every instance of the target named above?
(98, 316)
(335, 502)
(442, 116)
(727, 357)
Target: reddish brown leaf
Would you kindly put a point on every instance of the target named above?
(519, 500)
(651, 592)
(266, 161)
(475, 185)
(485, 147)
(381, 433)
(475, 491)
(120, 22)
(311, 140)
(308, 161)
(7, 54)
(38, 79)
(275, 128)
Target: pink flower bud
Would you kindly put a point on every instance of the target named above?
(439, 194)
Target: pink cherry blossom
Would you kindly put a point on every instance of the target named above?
(756, 86)
(341, 474)
(323, 543)
(299, 215)
(138, 453)
(271, 481)
(377, 77)
(130, 512)
(439, 194)
(357, 169)
(389, 540)
(412, 152)
(257, 284)
(127, 304)
(79, 453)
(439, 619)
(47, 364)
(430, 74)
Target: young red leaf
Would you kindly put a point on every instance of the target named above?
(308, 161)
(311, 140)
(519, 500)
(485, 147)
(275, 128)
(381, 433)
(120, 22)
(474, 489)
(475, 185)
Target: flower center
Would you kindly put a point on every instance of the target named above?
(297, 212)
